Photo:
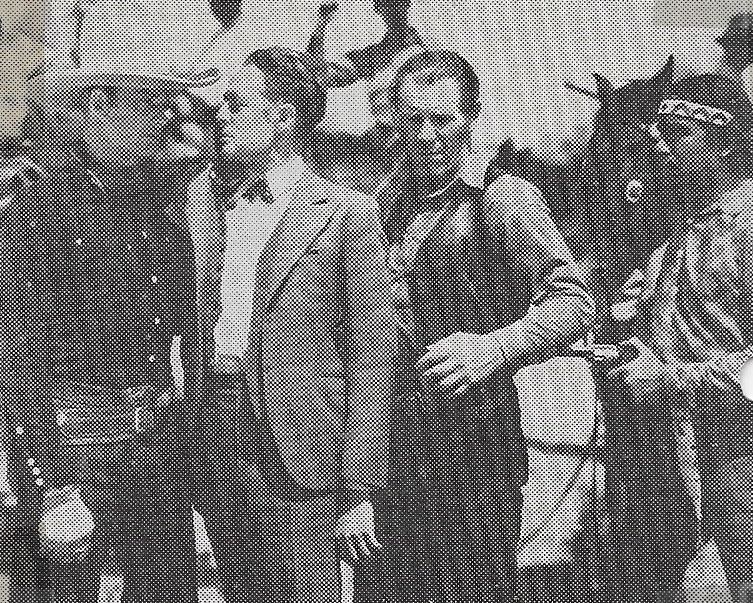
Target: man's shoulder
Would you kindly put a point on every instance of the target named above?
(349, 199)
(510, 194)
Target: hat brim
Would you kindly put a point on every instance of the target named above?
(77, 79)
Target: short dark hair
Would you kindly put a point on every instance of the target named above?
(289, 77)
(437, 65)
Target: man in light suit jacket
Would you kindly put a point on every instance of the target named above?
(296, 349)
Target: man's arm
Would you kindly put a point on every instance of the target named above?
(546, 284)
(337, 72)
(538, 282)
(722, 374)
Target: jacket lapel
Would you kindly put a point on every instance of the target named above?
(308, 212)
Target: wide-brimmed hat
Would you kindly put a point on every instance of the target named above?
(67, 80)
(122, 46)
(739, 31)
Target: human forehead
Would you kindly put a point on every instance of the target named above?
(247, 81)
(418, 92)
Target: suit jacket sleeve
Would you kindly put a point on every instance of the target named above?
(370, 340)
(546, 286)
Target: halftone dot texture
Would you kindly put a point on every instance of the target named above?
(98, 275)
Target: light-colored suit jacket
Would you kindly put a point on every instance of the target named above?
(321, 342)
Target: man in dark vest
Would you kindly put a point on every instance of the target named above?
(97, 294)
(483, 285)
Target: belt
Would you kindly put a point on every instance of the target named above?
(88, 414)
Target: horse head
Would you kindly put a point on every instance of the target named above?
(622, 123)
(627, 183)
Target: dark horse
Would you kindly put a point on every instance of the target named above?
(633, 201)
(626, 200)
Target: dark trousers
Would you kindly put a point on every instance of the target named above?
(728, 510)
(138, 496)
(274, 541)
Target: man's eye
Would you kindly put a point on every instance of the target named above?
(440, 121)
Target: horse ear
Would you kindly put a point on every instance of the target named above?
(603, 86)
(664, 76)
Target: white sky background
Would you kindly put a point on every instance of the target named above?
(522, 49)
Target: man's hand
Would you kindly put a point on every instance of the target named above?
(66, 526)
(453, 364)
(645, 374)
(355, 533)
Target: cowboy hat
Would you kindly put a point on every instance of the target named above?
(122, 46)
(67, 80)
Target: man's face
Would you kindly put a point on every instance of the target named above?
(688, 144)
(132, 123)
(246, 123)
(435, 131)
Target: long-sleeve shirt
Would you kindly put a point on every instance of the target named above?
(696, 310)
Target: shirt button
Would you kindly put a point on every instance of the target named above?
(39, 482)
(19, 430)
(36, 472)
(79, 242)
(154, 279)
(32, 224)
(152, 358)
(30, 462)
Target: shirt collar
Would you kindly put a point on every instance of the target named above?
(733, 202)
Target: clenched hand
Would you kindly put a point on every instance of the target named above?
(66, 526)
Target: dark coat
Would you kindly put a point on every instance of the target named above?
(491, 262)
(96, 284)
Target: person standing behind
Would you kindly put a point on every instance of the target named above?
(694, 326)
(483, 285)
(297, 347)
(365, 63)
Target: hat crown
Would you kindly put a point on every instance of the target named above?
(122, 37)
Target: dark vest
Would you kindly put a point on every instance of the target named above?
(458, 283)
